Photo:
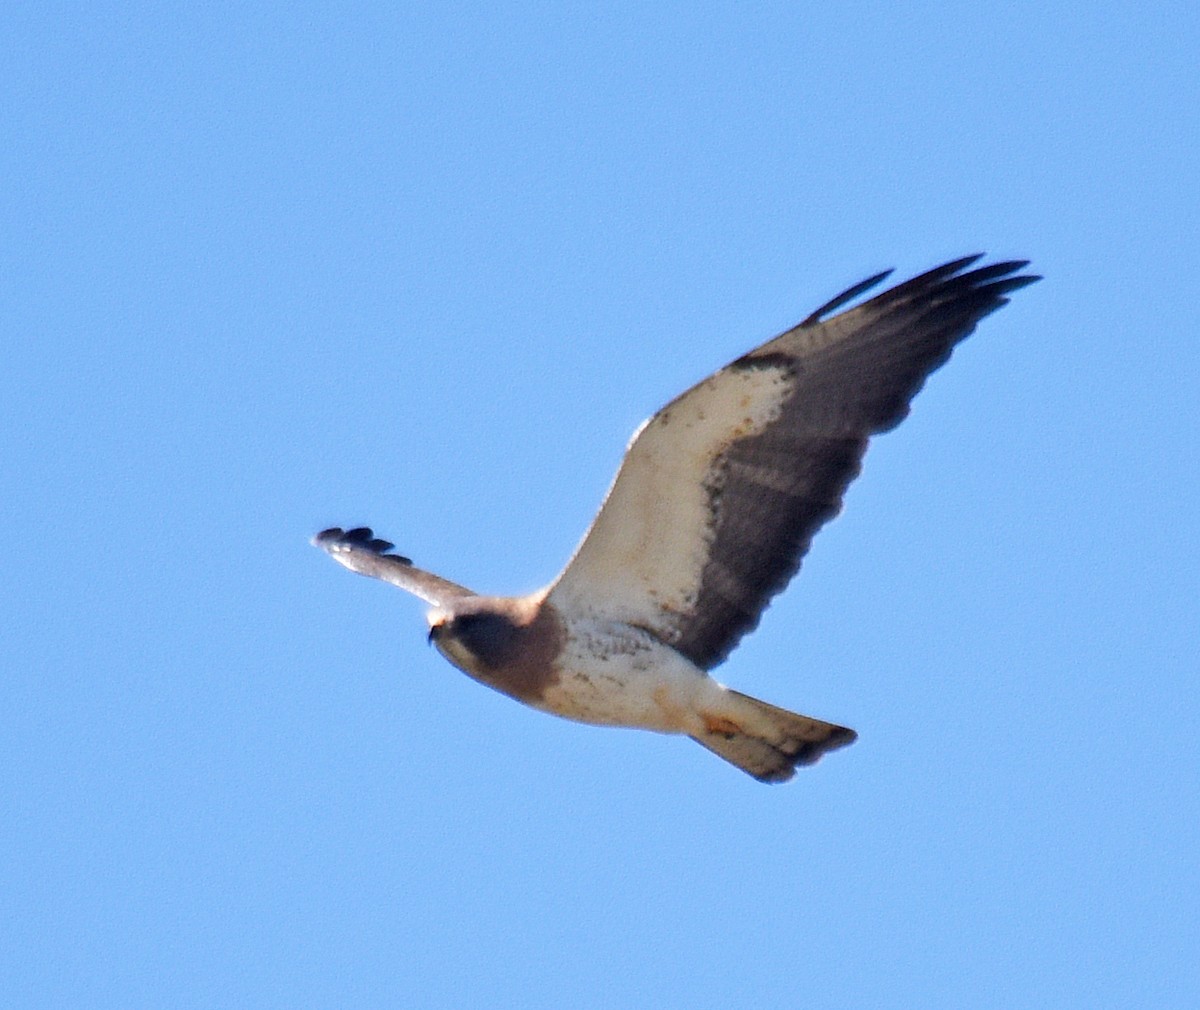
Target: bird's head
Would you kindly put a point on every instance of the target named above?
(474, 639)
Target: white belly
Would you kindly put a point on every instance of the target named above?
(612, 674)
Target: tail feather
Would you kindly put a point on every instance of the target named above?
(770, 742)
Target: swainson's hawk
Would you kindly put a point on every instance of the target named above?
(712, 509)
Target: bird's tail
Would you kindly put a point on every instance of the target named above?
(769, 742)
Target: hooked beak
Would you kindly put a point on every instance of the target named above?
(437, 621)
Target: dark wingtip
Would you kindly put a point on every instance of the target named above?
(846, 296)
(943, 273)
(360, 538)
(983, 287)
(364, 536)
(1024, 280)
(329, 536)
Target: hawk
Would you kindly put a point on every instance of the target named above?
(712, 509)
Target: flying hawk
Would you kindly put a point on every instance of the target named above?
(712, 509)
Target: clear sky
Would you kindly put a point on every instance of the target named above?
(270, 268)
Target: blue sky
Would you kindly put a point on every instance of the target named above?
(267, 269)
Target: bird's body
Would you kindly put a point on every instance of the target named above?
(710, 514)
(609, 673)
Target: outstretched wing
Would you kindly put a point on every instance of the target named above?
(360, 551)
(721, 492)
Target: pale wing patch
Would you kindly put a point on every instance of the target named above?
(645, 552)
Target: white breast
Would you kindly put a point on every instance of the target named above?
(615, 675)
